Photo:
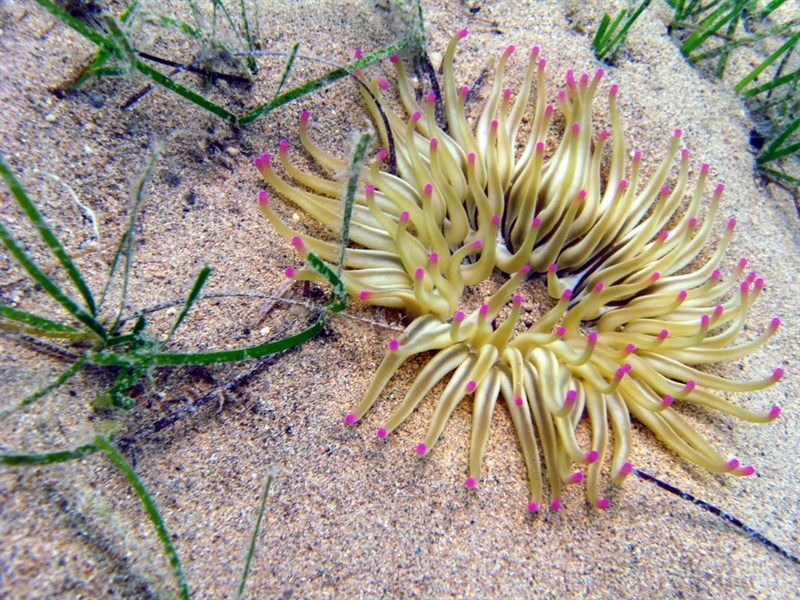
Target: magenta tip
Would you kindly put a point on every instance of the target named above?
(477, 245)
(517, 300)
(614, 90)
(572, 397)
(598, 287)
(705, 168)
(263, 197)
(305, 116)
(405, 216)
(283, 145)
(394, 345)
(533, 507)
(625, 470)
(719, 189)
(289, 272)
(592, 456)
(462, 33)
(576, 477)
(471, 385)
(470, 483)
(690, 385)
(394, 59)
(555, 505)
(732, 464)
(365, 294)
(746, 471)
(510, 50)
(434, 144)
(603, 503)
(667, 400)
(774, 412)
(566, 294)
(459, 316)
(663, 334)
(518, 400)
(369, 189)
(682, 295)
(678, 133)
(777, 374)
(382, 155)
(419, 274)
(382, 433)
(552, 268)
(422, 449)
(576, 128)
(630, 348)
(484, 310)
(561, 331)
(495, 220)
(358, 53)
(351, 419)
(297, 242)
(525, 270)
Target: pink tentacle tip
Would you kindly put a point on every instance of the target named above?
(591, 338)
(459, 316)
(625, 470)
(777, 374)
(358, 53)
(471, 158)
(732, 464)
(305, 117)
(382, 155)
(682, 295)
(540, 147)
(415, 116)
(746, 471)
(561, 331)
(470, 483)
(471, 385)
(525, 270)
(533, 507)
(685, 154)
(719, 189)
(742, 263)
(576, 128)
(283, 145)
(598, 287)
(298, 243)
(434, 144)
(351, 419)
(598, 75)
(571, 398)
(483, 310)
(575, 478)
(665, 191)
(566, 294)
(289, 272)
(434, 258)
(404, 217)
(592, 456)
(365, 294)
(507, 94)
(705, 168)
(614, 90)
(542, 64)
(689, 386)
(731, 224)
(656, 276)
(555, 505)
(603, 503)
(382, 433)
(667, 401)
(663, 334)
(422, 449)
(517, 300)
(630, 348)
(394, 59)
(394, 345)
(430, 98)
(510, 50)
(463, 91)
(462, 33)
(419, 274)
(263, 198)
(677, 134)
(518, 401)
(622, 186)
(369, 189)
(495, 220)
(774, 412)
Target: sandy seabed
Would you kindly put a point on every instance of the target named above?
(348, 517)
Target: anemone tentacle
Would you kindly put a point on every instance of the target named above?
(635, 312)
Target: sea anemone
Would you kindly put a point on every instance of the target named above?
(635, 307)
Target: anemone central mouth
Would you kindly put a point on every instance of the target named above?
(616, 251)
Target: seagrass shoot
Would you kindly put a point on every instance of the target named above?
(642, 296)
